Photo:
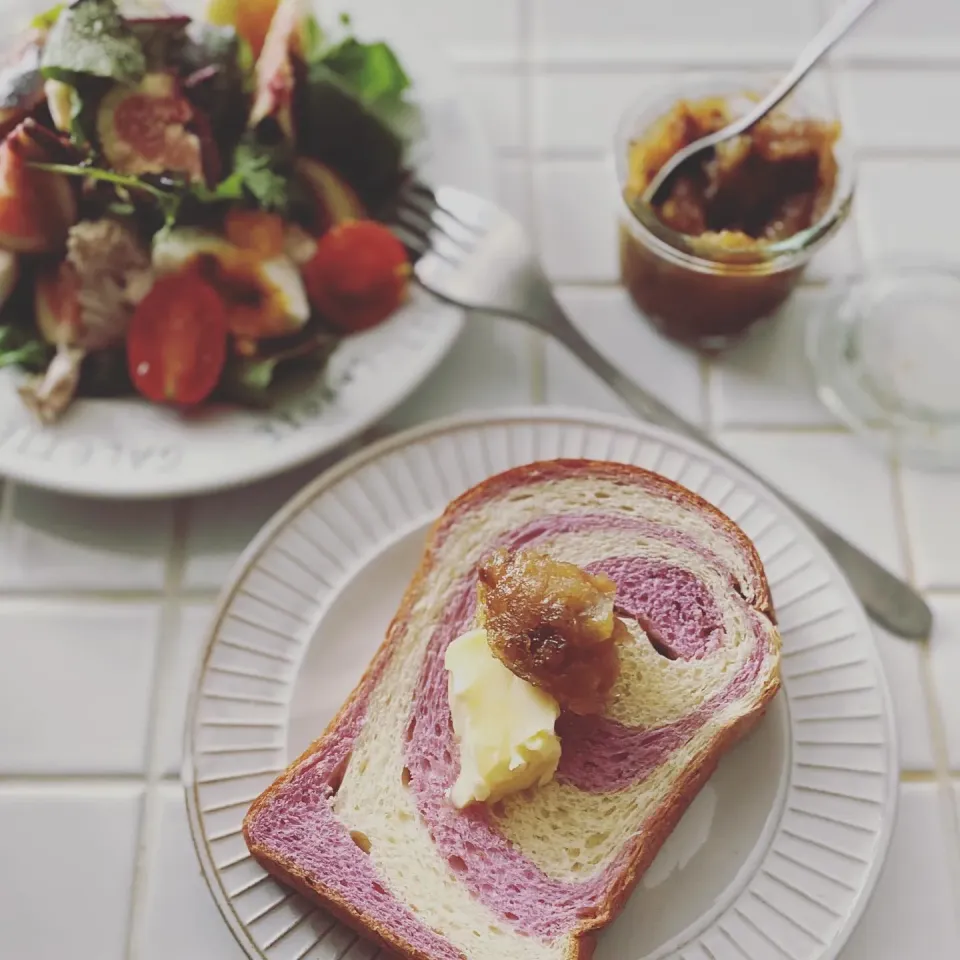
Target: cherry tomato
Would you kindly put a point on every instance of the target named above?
(177, 340)
(358, 275)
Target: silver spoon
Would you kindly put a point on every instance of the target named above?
(830, 33)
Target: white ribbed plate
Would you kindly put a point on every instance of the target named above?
(774, 860)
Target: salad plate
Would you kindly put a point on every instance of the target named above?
(778, 854)
(124, 446)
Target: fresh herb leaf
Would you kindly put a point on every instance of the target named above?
(259, 173)
(45, 20)
(259, 169)
(371, 69)
(91, 38)
(168, 200)
(18, 348)
(230, 188)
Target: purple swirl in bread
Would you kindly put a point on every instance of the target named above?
(362, 821)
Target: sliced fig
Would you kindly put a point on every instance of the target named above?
(37, 208)
(21, 82)
(143, 129)
(275, 74)
(334, 200)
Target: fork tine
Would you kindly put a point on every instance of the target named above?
(421, 237)
(448, 201)
(416, 221)
(417, 187)
(468, 210)
(433, 229)
(445, 223)
(455, 229)
(415, 245)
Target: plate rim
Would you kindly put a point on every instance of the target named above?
(440, 347)
(441, 87)
(540, 414)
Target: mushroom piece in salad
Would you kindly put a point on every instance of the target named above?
(189, 208)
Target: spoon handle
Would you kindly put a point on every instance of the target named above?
(829, 34)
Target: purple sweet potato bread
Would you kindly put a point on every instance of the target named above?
(361, 822)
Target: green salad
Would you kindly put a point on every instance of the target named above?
(192, 210)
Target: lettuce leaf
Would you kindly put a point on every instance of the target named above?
(91, 38)
(280, 367)
(338, 128)
(45, 20)
(371, 69)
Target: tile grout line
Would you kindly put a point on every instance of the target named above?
(150, 814)
(862, 152)
(91, 781)
(47, 595)
(671, 60)
(614, 283)
(536, 341)
(949, 814)
(7, 495)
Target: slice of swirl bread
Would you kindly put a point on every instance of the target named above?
(360, 822)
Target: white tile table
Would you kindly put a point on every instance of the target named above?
(103, 607)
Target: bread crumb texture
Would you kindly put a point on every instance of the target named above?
(527, 878)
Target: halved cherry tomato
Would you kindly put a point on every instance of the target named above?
(177, 340)
(358, 276)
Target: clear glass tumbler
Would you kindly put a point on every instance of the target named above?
(885, 352)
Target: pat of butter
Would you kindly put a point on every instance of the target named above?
(504, 725)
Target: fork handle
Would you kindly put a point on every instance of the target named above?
(890, 601)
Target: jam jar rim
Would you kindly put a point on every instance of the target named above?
(781, 255)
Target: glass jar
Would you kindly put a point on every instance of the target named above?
(696, 291)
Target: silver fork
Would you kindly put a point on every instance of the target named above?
(468, 252)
